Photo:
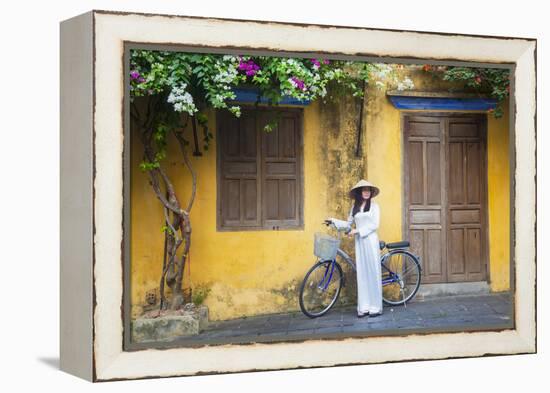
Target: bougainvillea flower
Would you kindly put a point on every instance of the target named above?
(249, 67)
(316, 63)
(134, 74)
(298, 83)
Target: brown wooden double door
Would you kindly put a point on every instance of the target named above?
(445, 195)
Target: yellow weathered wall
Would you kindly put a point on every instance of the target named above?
(248, 272)
(498, 178)
(384, 160)
(257, 272)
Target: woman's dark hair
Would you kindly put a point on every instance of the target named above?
(358, 201)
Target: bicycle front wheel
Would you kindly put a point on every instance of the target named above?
(320, 288)
(400, 277)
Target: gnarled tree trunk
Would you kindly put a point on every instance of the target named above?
(177, 220)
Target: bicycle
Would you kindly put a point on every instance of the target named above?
(401, 274)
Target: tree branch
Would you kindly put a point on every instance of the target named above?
(181, 142)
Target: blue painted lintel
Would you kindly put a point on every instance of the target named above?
(443, 103)
(251, 96)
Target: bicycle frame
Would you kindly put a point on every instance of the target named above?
(393, 277)
(323, 285)
(320, 282)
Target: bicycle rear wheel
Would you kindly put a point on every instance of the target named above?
(401, 277)
(320, 288)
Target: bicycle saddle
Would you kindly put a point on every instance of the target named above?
(402, 244)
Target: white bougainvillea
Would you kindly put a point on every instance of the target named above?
(182, 100)
(194, 82)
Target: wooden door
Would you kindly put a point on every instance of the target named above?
(445, 183)
(466, 210)
(425, 193)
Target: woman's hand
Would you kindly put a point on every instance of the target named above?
(352, 232)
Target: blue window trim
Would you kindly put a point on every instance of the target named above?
(443, 103)
(247, 96)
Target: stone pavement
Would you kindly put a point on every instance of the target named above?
(447, 314)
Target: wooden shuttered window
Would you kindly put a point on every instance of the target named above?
(259, 172)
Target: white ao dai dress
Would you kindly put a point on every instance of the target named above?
(367, 257)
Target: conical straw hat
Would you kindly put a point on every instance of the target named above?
(363, 183)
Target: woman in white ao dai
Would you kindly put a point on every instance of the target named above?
(365, 214)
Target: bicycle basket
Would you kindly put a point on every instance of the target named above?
(325, 246)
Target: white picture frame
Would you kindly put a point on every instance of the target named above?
(92, 193)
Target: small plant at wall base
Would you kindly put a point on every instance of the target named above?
(494, 82)
(170, 90)
(200, 293)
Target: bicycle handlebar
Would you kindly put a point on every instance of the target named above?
(330, 223)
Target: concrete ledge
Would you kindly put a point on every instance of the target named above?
(151, 328)
(450, 289)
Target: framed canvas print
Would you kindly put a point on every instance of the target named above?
(246, 195)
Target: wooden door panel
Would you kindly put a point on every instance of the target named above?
(416, 239)
(287, 192)
(456, 173)
(433, 173)
(466, 208)
(281, 171)
(249, 188)
(288, 138)
(425, 217)
(424, 194)
(456, 255)
(473, 173)
(423, 126)
(231, 207)
(240, 170)
(272, 200)
(415, 168)
(433, 259)
(474, 253)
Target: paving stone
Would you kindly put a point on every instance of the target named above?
(331, 329)
(453, 308)
(303, 323)
(410, 322)
(274, 335)
(451, 313)
(279, 317)
(303, 318)
(501, 308)
(300, 332)
(356, 328)
(386, 316)
(328, 323)
(275, 329)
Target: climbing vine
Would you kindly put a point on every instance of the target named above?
(494, 82)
